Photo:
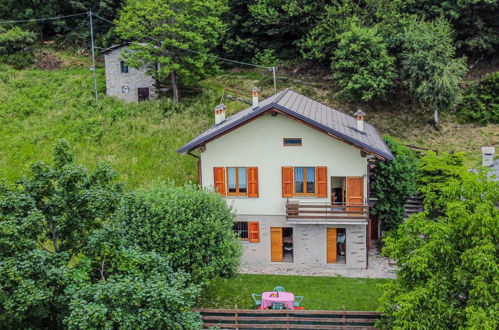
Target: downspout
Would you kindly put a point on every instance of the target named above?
(199, 167)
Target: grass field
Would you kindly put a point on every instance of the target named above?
(139, 141)
(328, 293)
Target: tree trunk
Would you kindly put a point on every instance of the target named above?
(175, 86)
(435, 119)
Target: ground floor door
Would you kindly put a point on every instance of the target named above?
(331, 245)
(281, 244)
(143, 93)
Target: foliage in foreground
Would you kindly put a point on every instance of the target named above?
(68, 260)
(191, 226)
(448, 275)
(481, 101)
(393, 183)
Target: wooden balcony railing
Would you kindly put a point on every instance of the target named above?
(297, 210)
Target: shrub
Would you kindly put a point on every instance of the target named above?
(192, 226)
(15, 47)
(394, 181)
(361, 64)
(481, 102)
(138, 290)
(435, 173)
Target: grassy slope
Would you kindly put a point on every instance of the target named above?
(37, 107)
(330, 293)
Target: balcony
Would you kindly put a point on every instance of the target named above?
(299, 212)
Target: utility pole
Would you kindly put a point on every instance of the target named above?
(275, 82)
(93, 54)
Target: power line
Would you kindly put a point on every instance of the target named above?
(41, 19)
(194, 51)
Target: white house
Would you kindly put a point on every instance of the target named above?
(128, 84)
(296, 172)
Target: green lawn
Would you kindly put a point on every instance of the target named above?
(327, 293)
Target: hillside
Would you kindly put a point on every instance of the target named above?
(139, 140)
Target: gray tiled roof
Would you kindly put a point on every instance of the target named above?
(304, 108)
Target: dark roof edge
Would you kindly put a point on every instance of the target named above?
(113, 47)
(192, 145)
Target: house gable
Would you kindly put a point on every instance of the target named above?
(310, 112)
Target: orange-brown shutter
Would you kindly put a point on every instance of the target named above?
(321, 182)
(355, 193)
(331, 245)
(254, 231)
(252, 181)
(219, 179)
(287, 181)
(276, 248)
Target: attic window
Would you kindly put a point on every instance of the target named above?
(292, 142)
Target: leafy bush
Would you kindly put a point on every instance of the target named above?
(192, 226)
(266, 57)
(435, 173)
(361, 64)
(139, 290)
(60, 268)
(481, 102)
(428, 67)
(448, 269)
(394, 181)
(15, 47)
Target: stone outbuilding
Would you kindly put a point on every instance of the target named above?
(126, 83)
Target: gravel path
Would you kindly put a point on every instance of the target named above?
(379, 267)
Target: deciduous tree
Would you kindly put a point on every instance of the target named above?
(160, 30)
(448, 267)
(429, 68)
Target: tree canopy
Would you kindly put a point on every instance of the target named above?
(160, 31)
(448, 270)
(77, 252)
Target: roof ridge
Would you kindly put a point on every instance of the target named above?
(283, 92)
(324, 104)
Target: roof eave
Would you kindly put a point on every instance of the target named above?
(191, 145)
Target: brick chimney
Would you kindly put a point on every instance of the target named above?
(219, 113)
(488, 156)
(255, 93)
(359, 116)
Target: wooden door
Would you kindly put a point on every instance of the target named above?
(276, 254)
(331, 245)
(143, 93)
(355, 192)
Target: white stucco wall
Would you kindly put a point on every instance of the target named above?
(134, 79)
(260, 143)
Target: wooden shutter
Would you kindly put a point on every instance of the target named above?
(219, 180)
(321, 182)
(254, 231)
(331, 245)
(252, 175)
(287, 181)
(355, 193)
(276, 249)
